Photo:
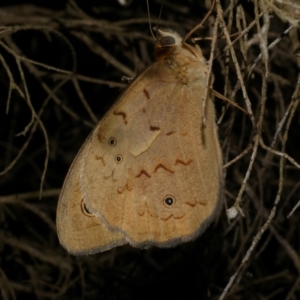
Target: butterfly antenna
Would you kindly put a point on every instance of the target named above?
(159, 17)
(149, 18)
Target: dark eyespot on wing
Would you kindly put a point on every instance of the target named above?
(169, 201)
(118, 158)
(85, 210)
(112, 141)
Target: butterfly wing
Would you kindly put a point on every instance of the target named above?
(152, 172)
(79, 231)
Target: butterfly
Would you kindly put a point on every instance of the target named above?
(150, 173)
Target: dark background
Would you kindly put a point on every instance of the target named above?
(32, 262)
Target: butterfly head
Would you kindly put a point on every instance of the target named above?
(167, 38)
(167, 41)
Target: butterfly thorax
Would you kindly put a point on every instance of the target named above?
(186, 62)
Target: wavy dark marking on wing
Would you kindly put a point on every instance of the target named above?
(111, 176)
(126, 187)
(184, 133)
(170, 132)
(146, 210)
(154, 128)
(172, 216)
(163, 167)
(146, 93)
(100, 158)
(194, 204)
(122, 114)
(143, 172)
(179, 161)
(144, 110)
(141, 214)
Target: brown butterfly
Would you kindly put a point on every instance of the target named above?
(150, 173)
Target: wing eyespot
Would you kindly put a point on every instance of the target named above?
(85, 209)
(169, 201)
(118, 158)
(112, 141)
